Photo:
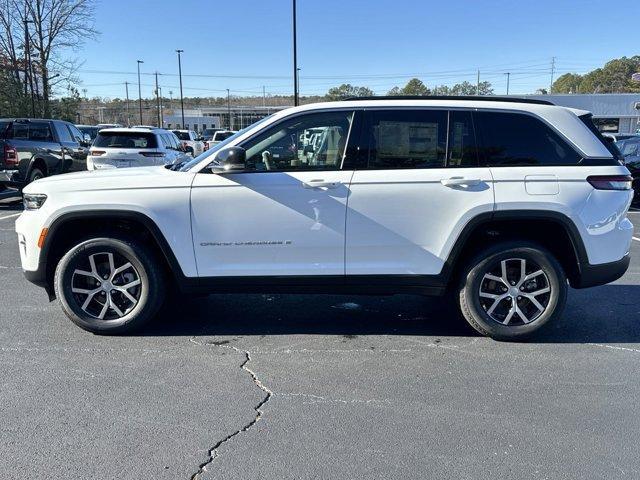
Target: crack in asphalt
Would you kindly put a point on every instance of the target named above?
(213, 451)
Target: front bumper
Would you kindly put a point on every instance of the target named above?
(601, 274)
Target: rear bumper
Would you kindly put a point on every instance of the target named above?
(11, 178)
(601, 274)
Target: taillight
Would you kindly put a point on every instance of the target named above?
(10, 155)
(97, 153)
(151, 154)
(610, 182)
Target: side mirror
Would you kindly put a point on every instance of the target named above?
(229, 159)
(87, 139)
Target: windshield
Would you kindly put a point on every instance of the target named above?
(184, 167)
(125, 140)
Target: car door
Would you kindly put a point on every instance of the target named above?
(284, 214)
(74, 154)
(416, 186)
(46, 147)
(79, 149)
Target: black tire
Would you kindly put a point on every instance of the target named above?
(35, 174)
(149, 292)
(475, 308)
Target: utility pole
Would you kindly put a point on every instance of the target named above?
(170, 99)
(161, 109)
(264, 98)
(296, 101)
(139, 90)
(126, 91)
(553, 70)
(179, 52)
(158, 102)
(478, 83)
(508, 74)
(229, 107)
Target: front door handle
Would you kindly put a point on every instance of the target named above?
(318, 183)
(460, 182)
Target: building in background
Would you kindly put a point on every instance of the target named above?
(218, 117)
(612, 112)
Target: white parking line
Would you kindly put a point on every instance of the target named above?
(10, 216)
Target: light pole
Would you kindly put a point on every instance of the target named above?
(508, 74)
(180, 75)
(158, 101)
(229, 107)
(126, 90)
(139, 90)
(295, 58)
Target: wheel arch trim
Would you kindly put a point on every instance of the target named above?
(577, 243)
(140, 217)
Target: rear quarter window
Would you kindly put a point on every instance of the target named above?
(518, 139)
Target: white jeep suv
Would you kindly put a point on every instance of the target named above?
(504, 203)
(134, 147)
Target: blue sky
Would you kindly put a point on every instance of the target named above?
(244, 45)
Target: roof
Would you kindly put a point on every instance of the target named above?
(132, 129)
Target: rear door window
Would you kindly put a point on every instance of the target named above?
(125, 140)
(40, 132)
(400, 139)
(512, 139)
(19, 131)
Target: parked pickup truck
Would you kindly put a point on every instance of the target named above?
(35, 148)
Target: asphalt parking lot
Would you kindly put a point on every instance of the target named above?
(297, 386)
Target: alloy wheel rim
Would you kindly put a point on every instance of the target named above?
(515, 291)
(107, 287)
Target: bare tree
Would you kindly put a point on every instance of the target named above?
(58, 28)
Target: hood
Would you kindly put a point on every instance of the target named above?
(112, 179)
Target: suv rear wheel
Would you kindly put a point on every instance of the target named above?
(109, 285)
(512, 289)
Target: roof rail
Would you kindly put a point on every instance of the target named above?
(482, 98)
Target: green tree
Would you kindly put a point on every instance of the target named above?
(465, 88)
(66, 108)
(394, 92)
(415, 86)
(567, 83)
(347, 90)
(13, 102)
(613, 77)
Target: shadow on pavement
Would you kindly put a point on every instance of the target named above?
(608, 314)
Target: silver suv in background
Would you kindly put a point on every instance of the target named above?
(134, 147)
(191, 142)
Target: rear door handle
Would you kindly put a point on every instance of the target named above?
(460, 181)
(318, 183)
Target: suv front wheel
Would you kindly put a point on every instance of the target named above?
(109, 285)
(512, 289)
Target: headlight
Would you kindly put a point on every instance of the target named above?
(33, 201)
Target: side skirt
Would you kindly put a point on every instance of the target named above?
(431, 285)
